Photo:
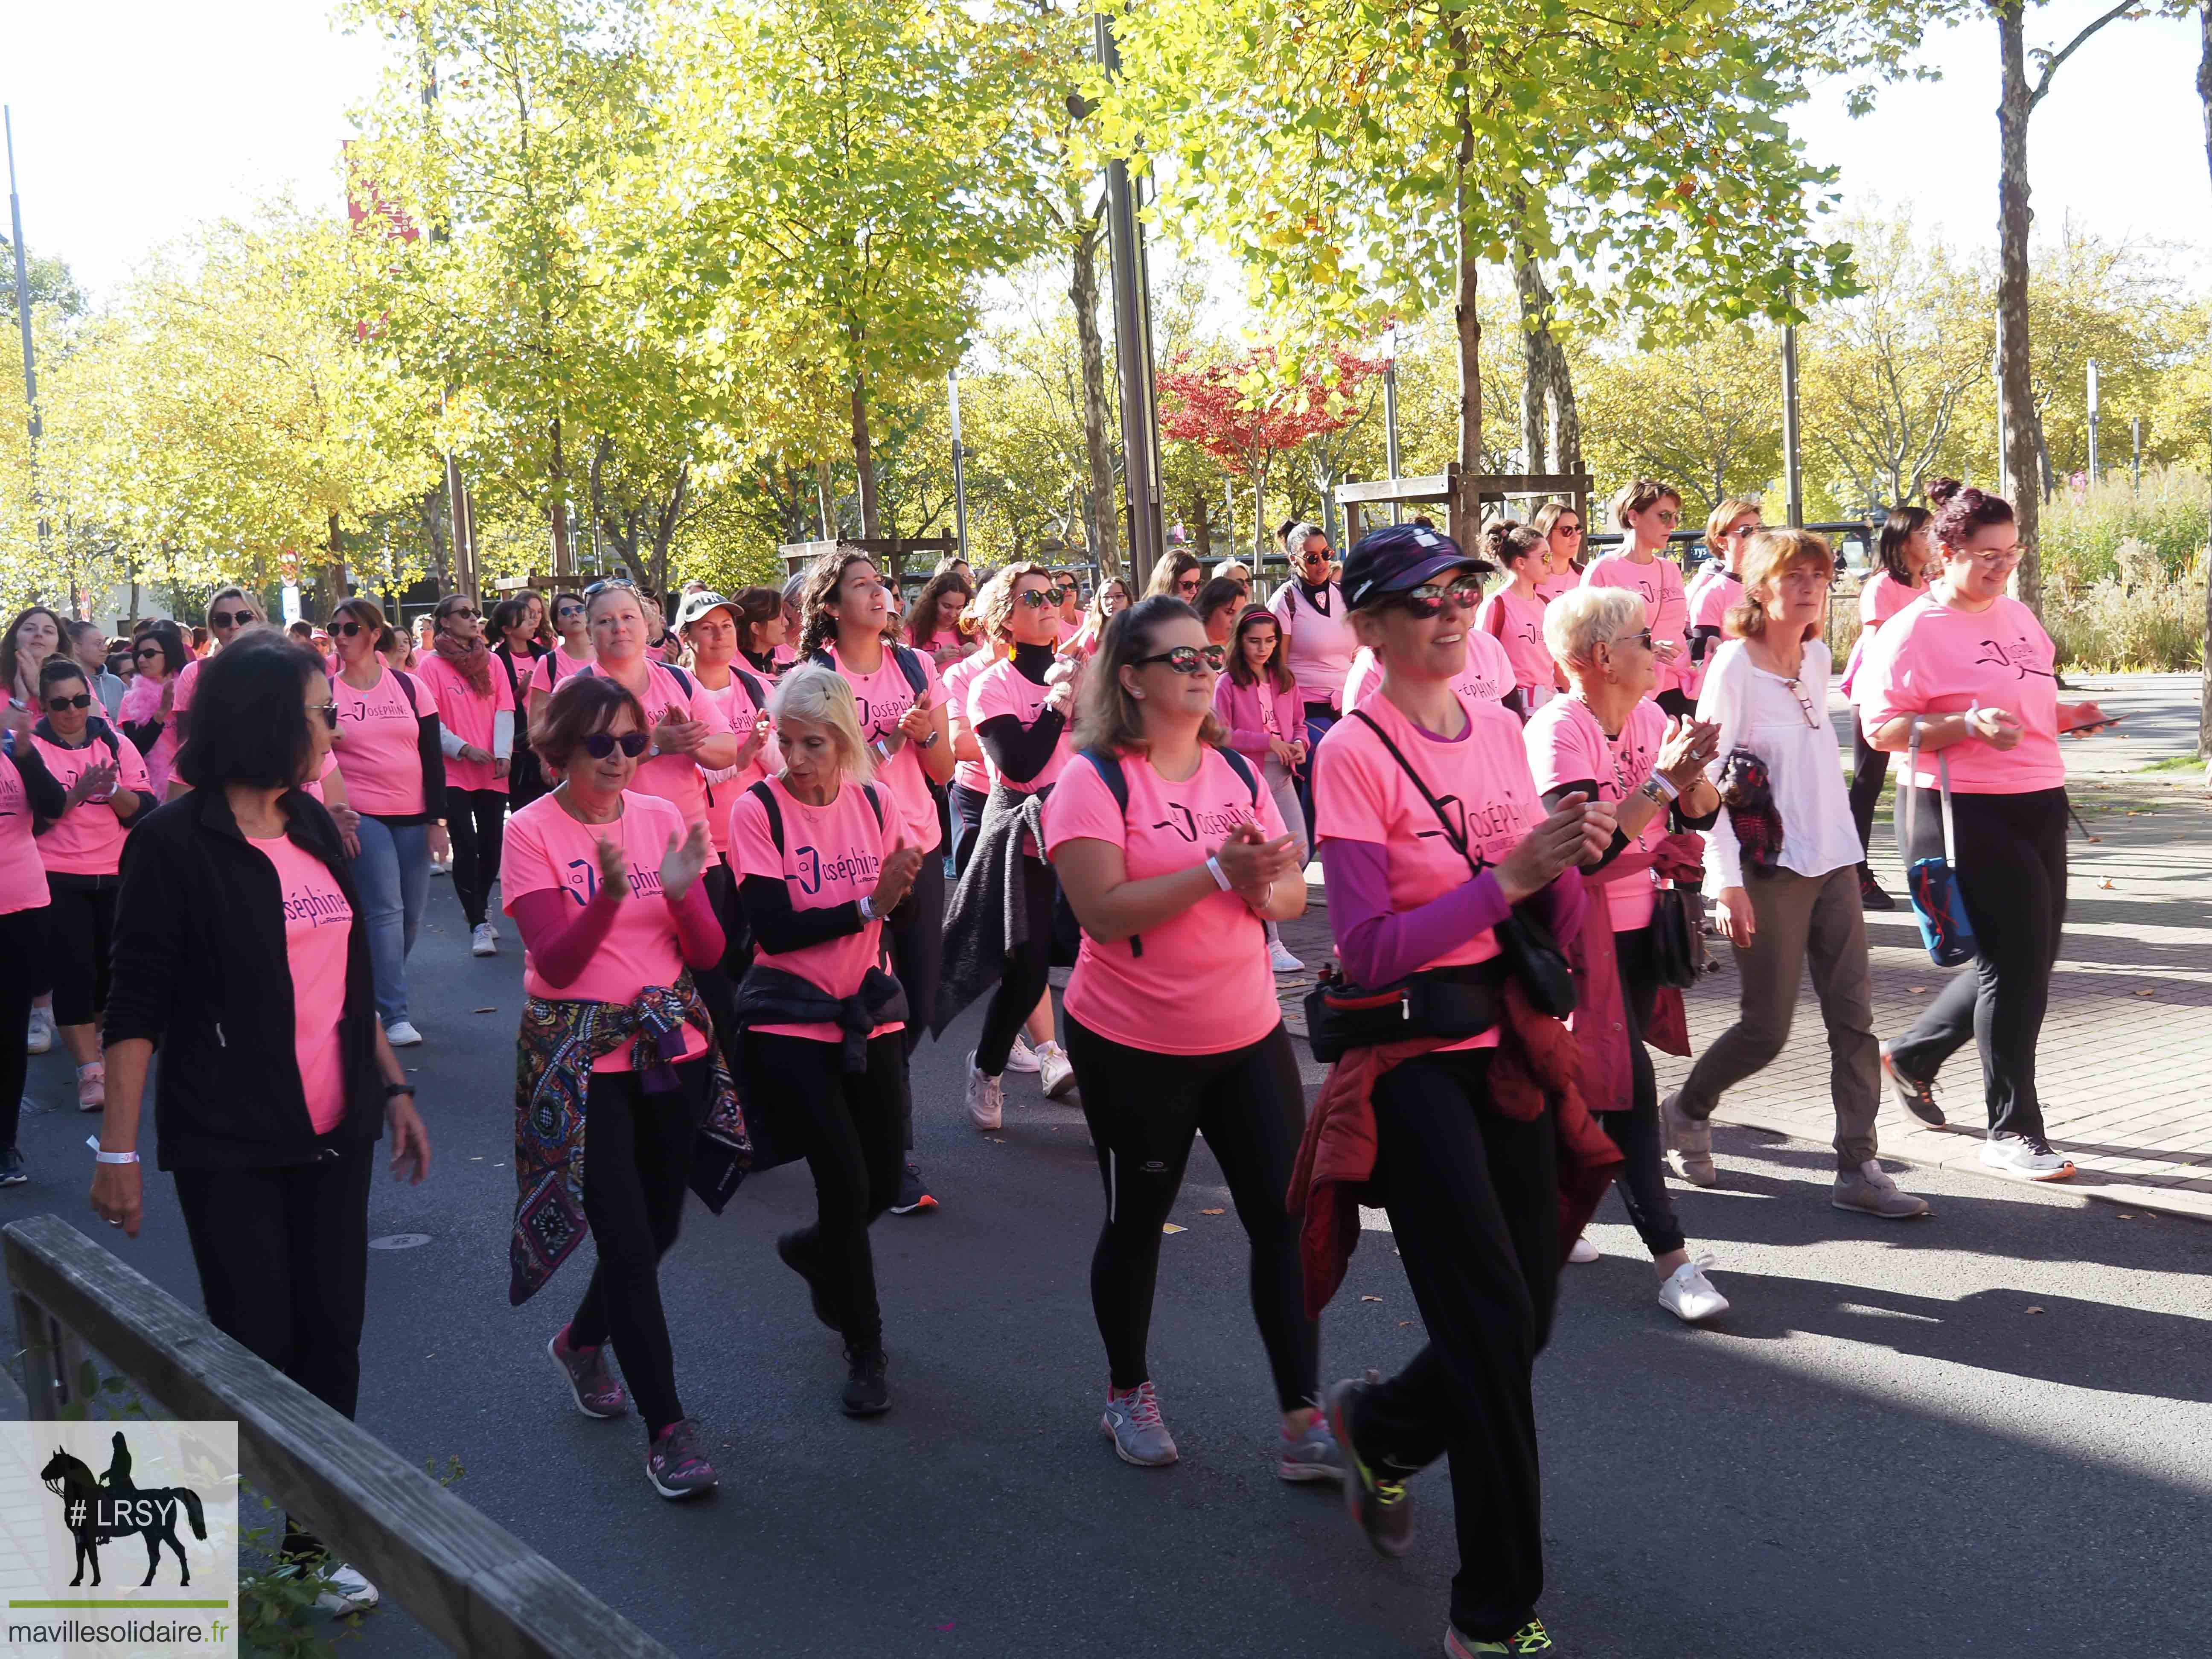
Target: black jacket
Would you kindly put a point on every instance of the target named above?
(201, 971)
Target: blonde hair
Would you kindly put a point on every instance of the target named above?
(1723, 518)
(820, 696)
(1767, 557)
(1636, 494)
(995, 603)
(1582, 619)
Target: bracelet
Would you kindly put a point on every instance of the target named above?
(100, 1157)
(1213, 869)
(1659, 786)
(393, 1091)
(866, 908)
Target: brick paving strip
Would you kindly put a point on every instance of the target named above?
(2125, 1064)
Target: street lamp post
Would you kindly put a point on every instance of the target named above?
(23, 316)
(2092, 421)
(1391, 412)
(959, 466)
(1792, 473)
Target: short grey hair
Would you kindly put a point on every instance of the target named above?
(1294, 540)
(1580, 620)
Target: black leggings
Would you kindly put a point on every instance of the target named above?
(967, 819)
(1643, 1183)
(80, 931)
(1144, 1108)
(22, 966)
(847, 1123)
(1869, 767)
(1029, 969)
(2012, 874)
(640, 1153)
(916, 931)
(476, 823)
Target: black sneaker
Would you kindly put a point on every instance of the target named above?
(1379, 1505)
(674, 1465)
(797, 1251)
(1871, 896)
(913, 1196)
(866, 1394)
(12, 1172)
(1916, 1096)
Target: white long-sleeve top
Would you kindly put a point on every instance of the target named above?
(1789, 730)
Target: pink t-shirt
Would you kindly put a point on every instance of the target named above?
(1486, 675)
(1318, 646)
(1517, 624)
(1003, 688)
(1715, 592)
(742, 712)
(467, 712)
(379, 744)
(551, 669)
(1566, 582)
(140, 704)
(549, 850)
(23, 871)
(959, 680)
(1567, 745)
(1481, 779)
(1931, 659)
(883, 699)
(88, 839)
(1212, 958)
(187, 677)
(314, 786)
(831, 855)
(1881, 597)
(318, 922)
(675, 778)
(1666, 609)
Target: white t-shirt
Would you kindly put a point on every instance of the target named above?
(1758, 711)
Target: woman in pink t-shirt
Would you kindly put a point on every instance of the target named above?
(823, 857)
(1970, 673)
(1647, 511)
(1411, 794)
(392, 749)
(1716, 589)
(1514, 615)
(933, 627)
(616, 1055)
(475, 720)
(1172, 1021)
(571, 653)
(1908, 557)
(1561, 526)
(28, 792)
(1256, 702)
(1109, 595)
(1318, 642)
(1607, 737)
(147, 716)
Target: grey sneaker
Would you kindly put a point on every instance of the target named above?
(1132, 1421)
(1313, 1455)
(1377, 1503)
(1871, 1191)
(1916, 1094)
(585, 1370)
(1691, 1139)
(674, 1467)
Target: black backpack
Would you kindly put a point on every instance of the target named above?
(766, 796)
(1117, 785)
(909, 662)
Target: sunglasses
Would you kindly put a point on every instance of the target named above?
(600, 745)
(229, 618)
(1187, 587)
(329, 711)
(1566, 530)
(622, 582)
(144, 651)
(1430, 599)
(345, 630)
(82, 700)
(1035, 597)
(1643, 639)
(1187, 658)
(1804, 704)
(460, 611)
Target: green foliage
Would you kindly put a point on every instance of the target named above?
(2118, 533)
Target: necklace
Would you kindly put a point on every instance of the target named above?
(569, 806)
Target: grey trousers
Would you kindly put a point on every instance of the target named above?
(1800, 919)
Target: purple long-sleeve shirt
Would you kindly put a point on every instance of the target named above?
(1376, 944)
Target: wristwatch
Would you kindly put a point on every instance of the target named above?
(393, 1091)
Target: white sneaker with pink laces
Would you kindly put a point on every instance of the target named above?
(1132, 1421)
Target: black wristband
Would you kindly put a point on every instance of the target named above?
(393, 1091)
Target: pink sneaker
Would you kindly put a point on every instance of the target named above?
(596, 1391)
(92, 1087)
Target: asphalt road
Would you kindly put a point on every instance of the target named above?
(1990, 1432)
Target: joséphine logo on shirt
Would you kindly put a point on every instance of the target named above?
(305, 904)
(1481, 830)
(1192, 826)
(880, 715)
(583, 883)
(814, 871)
(2019, 653)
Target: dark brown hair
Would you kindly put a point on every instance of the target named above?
(922, 616)
(753, 606)
(1278, 671)
(249, 721)
(1961, 510)
(823, 578)
(1904, 524)
(1636, 494)
(366, 611)
(1219, 591)
(581, 705)
(1504, 541)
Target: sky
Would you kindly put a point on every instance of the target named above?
(135, 119)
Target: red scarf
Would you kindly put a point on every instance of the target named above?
(469, 659)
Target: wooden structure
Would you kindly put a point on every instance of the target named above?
(891, 553)
(1432, 488)
(469, 1583)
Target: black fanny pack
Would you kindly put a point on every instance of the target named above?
(1452, 1003)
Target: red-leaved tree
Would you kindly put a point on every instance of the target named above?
(1239, 411)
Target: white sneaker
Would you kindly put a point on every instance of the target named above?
(401, 1034)
(345, 1591)
(1279, 957)
(492, 928)
(482, 942)
(438, 869)
(1581, 1250)
(2026, 1157)
(1690, 1296)
(1059, 1071)
(41, 1035)
(1021, 1057)
(987, 1099)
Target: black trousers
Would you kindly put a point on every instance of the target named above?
(1144, 1109)
(718, 986)
(967, 806)
(916, 931)
(80, 933)
(476, 823)
(1472, 1202)
(22, 966)
(1869, 767)
(847, 1124)
(638, 1151)
(282, 1255)
(1028, 970)
(1643, 1183)
(2012, 875)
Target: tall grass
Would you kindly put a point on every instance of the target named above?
(2083, 542)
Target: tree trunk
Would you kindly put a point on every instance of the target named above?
(1259, 518)
(1102, 524)
(1201, 525)
(2015, 396)
(2204, 98)
(864, 456)
(433, 533)
(557, 476)
(334, 565)
(1464, 513)
(1551, 427)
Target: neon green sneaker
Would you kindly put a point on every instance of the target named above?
(1531, 1639)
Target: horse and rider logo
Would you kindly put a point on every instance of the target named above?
(97, 1511)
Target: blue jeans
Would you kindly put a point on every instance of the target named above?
(392, 875)
(1317, 726)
